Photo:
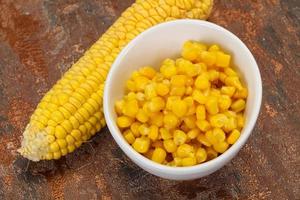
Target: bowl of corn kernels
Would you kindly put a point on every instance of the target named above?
(182, 98)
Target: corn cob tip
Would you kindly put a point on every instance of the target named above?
(34, 144)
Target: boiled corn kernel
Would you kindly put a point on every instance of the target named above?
(203, 140)
(179, 108)
(221, 147)
(141, 145)
(218, 120)
(233, 136)
(238, 105)
(201, 155)
(129, 136)
(179, 137)
(170, 120)
(185, 150)
(159, 155)
(170, 146)
(189, 161)
(124, 122)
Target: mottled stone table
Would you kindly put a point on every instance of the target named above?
(39, 39)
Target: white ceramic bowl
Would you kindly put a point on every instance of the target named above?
(165, 41)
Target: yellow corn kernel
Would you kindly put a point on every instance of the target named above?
(178, 80)
(49, 156)
(131, 108)
(165, 134)
(61, 143)
(177, 161)
(170, 101)
(222, 77)
(214, 47)
(177, 91)
(190, 121)
(191, 110)
(228, 90)
(200, 112)
(211, 153)
(185, 150)
(241, 94)
(224, 102)
(219, 135)
(170, 146)
(56, 155)
(230, 72)
(199, 97)
(156, 104)
(135, 129)
(230, 113)
(60, 132)
(218, 120)
(188, 68)
(70, 139)
(141, 82)
(130, 96)
(233, 81)
(76, 134)
(240, 121)
(202, 82)
(203, 125)
(201, 155)
(150, 91)
(221, 147)
(141, 145)
(162, 89)
(209, 58)
(71, 148)
(153, 134)
(230, 125)
(170, 120)
(142, 116)
(124, 122)
(203, 140)
(238, 105)
(144, 130)
(129, 136)
(54, 147)
(179, 137)
(190, 161)
(131, 85)
(233, 136)
(159, 155)
(192, 134)
(213, 75)
(222, 59)
(157, 119)
(191, 50)
(148, 72)
(189, 101)
(211, 105)
(168, 70)
(179, 108)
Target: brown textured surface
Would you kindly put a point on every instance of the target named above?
(39, 39)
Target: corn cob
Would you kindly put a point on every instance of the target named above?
(71, 112)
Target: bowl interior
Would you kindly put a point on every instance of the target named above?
(166, 41)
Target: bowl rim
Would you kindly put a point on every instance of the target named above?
(151, 165)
